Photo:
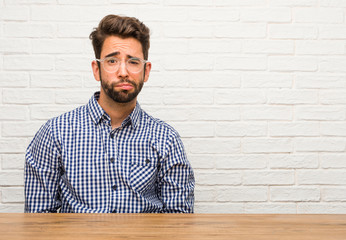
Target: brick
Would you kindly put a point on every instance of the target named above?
(194, 129)
(333, 160)
(14, 112)
(188, 3)
(168, 113)
(248, 161)
(215, 45)
(28, 96)
(318, 15)
(205, 194)
(292, 97)
(12, 161)
(55, 80)
(219, 146)
(270, 208)
(73, 97)
(293, 3)
(277, 177)
(295, 31)
(293, 161)
(320, 144)
(241, 30)
(12, 208)
(267, 80)
(20, 129)
(239, 97)
(218, 113)
(219, 80)
(320, 47)
(265, 14)
(333, 97)
(14, 13)
(334, 194)
(57, 46)
(321, 177)
(201, 161)
(237, 3)
(267, 145)
(219, 208)
(321, 208)
(12, 145)
(295, 194)
(31, 30)
(32, 62)
(267, 113)
(172, 14)
(15, 45)
(74, 63)
(215, 14)
(189, 96)
(324, 113)
(332, 31)
(47, 13)
(27, 2)
(243, 194)
(219, 178)
(91, 2)
(333, 64)
(187, 30)
(187, 62)
(269, 46)
(333, 3)
(45, 112)
(320, 81)
(303, 64)
(12, 195)
(249, 129)
(11, 178)
(241, 63)
(14, 79)
(94, 14)
(69, 30)
(162, 46)
(151, 96)
(295, 129)
(333, 129)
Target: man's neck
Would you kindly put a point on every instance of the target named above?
(117, 111)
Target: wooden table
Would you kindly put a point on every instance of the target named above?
(171, 226)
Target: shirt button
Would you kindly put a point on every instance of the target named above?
(114, 187)
(112, 160)
(112, 134)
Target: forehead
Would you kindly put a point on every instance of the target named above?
(125, 46)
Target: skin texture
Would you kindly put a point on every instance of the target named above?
(118, 94)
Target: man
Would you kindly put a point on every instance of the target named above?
(110, 155)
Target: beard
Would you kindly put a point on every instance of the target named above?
(121, 96)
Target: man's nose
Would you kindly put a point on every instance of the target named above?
(122, 71)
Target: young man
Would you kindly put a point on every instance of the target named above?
(110, 155)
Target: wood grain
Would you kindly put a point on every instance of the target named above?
(171, 226)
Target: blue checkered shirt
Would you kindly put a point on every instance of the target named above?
(76, 163)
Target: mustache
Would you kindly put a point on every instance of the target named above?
(125, 80)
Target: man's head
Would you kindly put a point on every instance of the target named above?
(121, 47)
(123, 27)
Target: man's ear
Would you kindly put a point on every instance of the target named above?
(96, 70)
(147, 71)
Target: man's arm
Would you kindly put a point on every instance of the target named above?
(41, 173)
(177, 180)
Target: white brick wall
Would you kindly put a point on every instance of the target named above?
(256, 88)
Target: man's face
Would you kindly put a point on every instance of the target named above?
(122, 86)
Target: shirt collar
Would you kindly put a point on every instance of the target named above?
(97, 113)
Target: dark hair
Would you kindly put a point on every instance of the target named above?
(121, 26)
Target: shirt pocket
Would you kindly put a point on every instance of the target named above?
(143, 173)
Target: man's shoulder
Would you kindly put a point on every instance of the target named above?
(159, 125)
(71, 116)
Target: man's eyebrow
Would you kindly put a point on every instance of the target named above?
(117, 53)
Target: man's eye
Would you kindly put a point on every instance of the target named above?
(112, 61)
(134, 62)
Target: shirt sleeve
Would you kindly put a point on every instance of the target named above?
(177, 180)
(41, 173)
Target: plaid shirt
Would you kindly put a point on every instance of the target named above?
(76, 163)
